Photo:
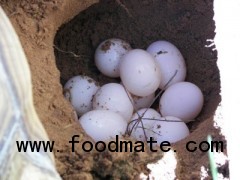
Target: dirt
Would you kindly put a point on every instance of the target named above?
(59, 39)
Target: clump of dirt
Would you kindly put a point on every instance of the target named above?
(106, 164)
(70, 49)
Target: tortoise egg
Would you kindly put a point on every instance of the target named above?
(103, 125)
(79, 90)
(143, 102)
(113, 97)
(108, 55)
(169, 60)
(183, 100)
(169, 129)
(139, 72)
(149, 117)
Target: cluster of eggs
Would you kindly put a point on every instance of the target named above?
(116, 108)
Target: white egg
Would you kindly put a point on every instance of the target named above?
(183, 100)
(113, 97)
(161, 129)
(143, 102)
(103, 125)
(79, 90)
(169, 59)
(140, 102)
(108, 55)
(139, 72)
(148, 120)
(169, 129)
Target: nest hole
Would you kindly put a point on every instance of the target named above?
(188, 25)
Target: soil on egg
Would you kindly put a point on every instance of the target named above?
(59, 38)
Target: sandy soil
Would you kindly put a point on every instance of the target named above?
(59, 47)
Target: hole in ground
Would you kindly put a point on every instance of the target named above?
(188, 25)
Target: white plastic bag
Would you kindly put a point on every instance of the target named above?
(18, 119)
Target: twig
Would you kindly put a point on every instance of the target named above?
(124, 7)
(140, 118)
(70, 52)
